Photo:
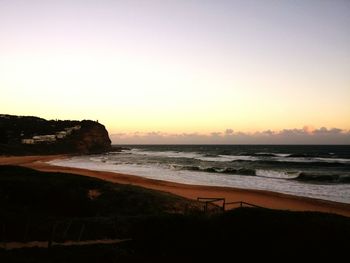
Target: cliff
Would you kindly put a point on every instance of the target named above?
(92, 137)
(20, 135)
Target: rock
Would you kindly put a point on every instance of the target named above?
(23, 135)
(92, 138)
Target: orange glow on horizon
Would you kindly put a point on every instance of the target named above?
(149, 70)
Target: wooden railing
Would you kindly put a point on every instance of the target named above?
(242, 203)
(214, 201)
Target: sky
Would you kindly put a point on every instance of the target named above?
(182, 71)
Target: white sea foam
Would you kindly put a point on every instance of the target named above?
(229, 158)
(274, 154)
(310, 160)
(333, 160)
(193, 155)
(280, 157)
(276, 174)
(171, 154)
(267, 180)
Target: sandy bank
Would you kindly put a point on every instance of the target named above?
(258, 197)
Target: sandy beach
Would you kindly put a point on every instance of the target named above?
(260, 198)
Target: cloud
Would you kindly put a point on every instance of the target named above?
(267, 133)
(228, 131)
(305, 135)
(325, 131)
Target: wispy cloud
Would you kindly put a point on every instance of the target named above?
(305, 135)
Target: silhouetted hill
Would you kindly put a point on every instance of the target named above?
(21, 135)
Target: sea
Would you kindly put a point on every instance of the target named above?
(314, 171)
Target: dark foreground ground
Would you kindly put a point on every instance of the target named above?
(158, 227)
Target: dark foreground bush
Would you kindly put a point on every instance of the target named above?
(44, 206)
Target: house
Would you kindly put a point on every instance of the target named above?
(27, 141)
(71, 129)
(61, 134)
(44, 138)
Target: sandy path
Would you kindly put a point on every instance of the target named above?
(258, 197)
(44, 244)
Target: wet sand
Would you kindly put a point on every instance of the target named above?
(257, 197)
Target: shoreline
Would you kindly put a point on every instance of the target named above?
(259, 197)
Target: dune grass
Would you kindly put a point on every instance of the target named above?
(161, 227)
(33, 202)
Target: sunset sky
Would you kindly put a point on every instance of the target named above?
(177, 68)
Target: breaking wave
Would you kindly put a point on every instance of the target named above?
(324, 178)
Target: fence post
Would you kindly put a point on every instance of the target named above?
(49, 244)
(115, 226)
(66, 230)
(26, 231)
(4, 234)
(81, 232)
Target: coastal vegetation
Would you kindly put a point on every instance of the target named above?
(23, 135)
(151, 225)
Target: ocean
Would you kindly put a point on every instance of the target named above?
(315, 171)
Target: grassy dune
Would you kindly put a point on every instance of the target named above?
(57, 207)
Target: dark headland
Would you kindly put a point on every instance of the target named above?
(49, 216)
(27, 135)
